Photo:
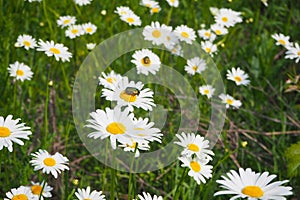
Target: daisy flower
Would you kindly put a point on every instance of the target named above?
(36, 190)
(65, 21)
(11, 131)
(206, 34)
(134, 146)
(21, 192)
(82, 2)
(90, 46)
(131, 19)
(293, 52)
(146, 61)
(20, 71)
(148, 3)
(130, 94)
(48, 163)
(110, 80)
(281, 39)
(185, 34)
(207, 90)
(115, 124)
(176, 50)
(227, 17)
(173, 3)
(84, 194)
(89, 28)
(251, 185)
(74, 31)
(145, 130)
(218, 29)
(59, 51)
(194, 145)
(147, 196)
(30, 1)
(199, 169)
(155, 9)
(238, 76)
(209, 47)
(171, 39)
(195, 65)
(230, 101)
(156, 33)
(123, 10)
(214, 11)
(26, 41)
(265, 2)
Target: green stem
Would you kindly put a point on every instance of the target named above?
(44, 184)
(46, 109)
(131, 184)
(112, 188)
(177, 191)
(47, 18)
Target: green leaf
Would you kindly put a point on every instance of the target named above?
(292, 155)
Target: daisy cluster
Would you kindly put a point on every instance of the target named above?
(75, 30)
(128, 16)
(195, 156)
(293, 49)
(120, 124)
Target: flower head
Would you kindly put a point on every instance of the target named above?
(36, 190)
(74, 31)
(185, 34)
(89, 28)
(131, 19)
(26, 41)
(146, 61)
(230, 101)
(86, 194)
(82, 2)
(282, 39)
(219, 29)
(251, 185)
(65, 21)
(209, 47)
(59, 51)
(147, 196)
(123, 10)
(157, 33)
(20, 71)
(11, 131)
(48, 163)
(173, 3)
(110, 80)
(293, 52)
(207, 90)
(195, 65)
(238, 76)
(227, 17)
(20, 193)
(206, 34)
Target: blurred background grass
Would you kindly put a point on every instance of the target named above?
(255, 136)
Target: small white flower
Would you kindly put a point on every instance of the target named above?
(214, 11)
(74, 31)
(110, 80)
(134, 146)
(265, 2)
(173, 3)
(148, 3)
(293, 52)
(282, 40)
(26, 41)
(206, 34)
(82, 2)
(218, 29)
(36, 190)
(20, 71)
(21, 193)
(230, 101)
(145, 131)
(251, 185)
(157, 33)
(86, 194)
(185, 34)
(147, 196)
(89, 28)
(146, 61)
(238, 76)
(123, 10)
(48, 163)
(65, 21)
(199, 169)
(11, 131)
(195, 65)
(207, 90)
(227, 17)
(131, 19)
(90, 46)
(209, 47)
(59, 51)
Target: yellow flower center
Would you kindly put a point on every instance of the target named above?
(111, 80)
(20, 197)
(156, 33)
(185, 34)
(148, 5)
(20, 72)
(229, 101)
(116, 128)
(172, 1)
(281, 42)
(131, 146)
(54, 50)
(298, 53)
(195, 166)
(195, 68)
(127, 97)
(224, 19)
(238, 78)
(155, 10)
(207, 49)
(123, 13)
(50, 162)
(26, 43)
(218, 32)
(89, 29)
(74, 31)
(67, 21)
(193, 147)
(146, 61)
(4, 132)
(87, 199)
(207, 34)
(253, 191)
(36, 189)
(206, 91)
(130, 20)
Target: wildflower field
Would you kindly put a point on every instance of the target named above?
(148, 99)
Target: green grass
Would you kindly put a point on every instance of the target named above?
(47, 109)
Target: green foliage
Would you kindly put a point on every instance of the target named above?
(292, 155)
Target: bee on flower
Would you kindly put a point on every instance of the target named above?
(146, 62)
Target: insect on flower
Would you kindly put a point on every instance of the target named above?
(146, 60)
(132, 91)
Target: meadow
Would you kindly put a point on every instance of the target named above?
(85, 121)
